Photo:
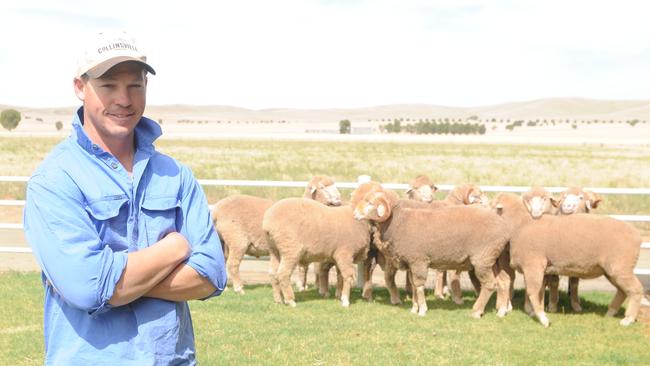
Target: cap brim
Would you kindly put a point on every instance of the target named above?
(102, 68)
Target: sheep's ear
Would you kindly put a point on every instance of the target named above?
(499, 209)
(555, 202)
(408, 192)
(434, 188)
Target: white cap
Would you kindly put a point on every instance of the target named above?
(106, 50)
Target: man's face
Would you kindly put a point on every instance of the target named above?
(115, 102)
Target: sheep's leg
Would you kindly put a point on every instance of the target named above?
(616, 303)
(414, 306)
(534, 278)
(454, 284)
(408, 285)
(274, 262)
(389, 279)
(301, 282)
(573, 294)
(419, 272)
(235, 256)
(285, 269)
(504, 306)
(507, 275)
(340, 284)
(632, 288)
(368, 267)
(440, 284)
(345, 275)
(487, 278)
(323, 277)
(475, 282)
(553, 282)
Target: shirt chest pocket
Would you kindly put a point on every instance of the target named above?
(109, 215)
(158, 216)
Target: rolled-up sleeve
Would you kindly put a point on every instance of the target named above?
(65, 242)
(197, 226)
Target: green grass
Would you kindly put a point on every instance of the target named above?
(252, 330)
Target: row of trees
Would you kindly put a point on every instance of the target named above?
(435, 128)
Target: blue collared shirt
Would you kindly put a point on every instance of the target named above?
(83, 214)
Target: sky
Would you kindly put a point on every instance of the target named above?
(261, 54)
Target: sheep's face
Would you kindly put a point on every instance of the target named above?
(374, 207)
(476, 197)
(576, 200)
(423, 193)
(468, 194)
(538, 202)
(330, 195)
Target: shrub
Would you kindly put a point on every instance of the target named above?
(9, 118)
(58, 125)
(345, 126)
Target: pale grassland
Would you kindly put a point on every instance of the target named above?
(389, 162)
(252, 330)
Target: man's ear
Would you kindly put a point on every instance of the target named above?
(79, 88)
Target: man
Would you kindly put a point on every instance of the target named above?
(122, 233)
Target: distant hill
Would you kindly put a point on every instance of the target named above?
(552, 108)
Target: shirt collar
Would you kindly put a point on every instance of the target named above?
(146, 132)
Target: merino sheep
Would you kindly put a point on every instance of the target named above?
(572, 200)
(238, 221)
(323, 189)
(455, 237)
(301, 231)
(579, 245)
(421, 189)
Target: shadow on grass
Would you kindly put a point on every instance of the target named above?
(381, 296)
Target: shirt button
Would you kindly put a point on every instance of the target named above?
(114, 165)
(95, 147)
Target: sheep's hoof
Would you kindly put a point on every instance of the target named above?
(396, 301)
(477, 314)
(414, 309)
(290, 303)
(626, 321)
(543, 319)
(611, 312)
(239, 290)
(345, 302)
(459, 301)
(552, 308)
(502, 312)
(577, 308)
(509, 306)
(422, 312)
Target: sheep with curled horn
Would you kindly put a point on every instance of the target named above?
(578, 245)
(454, 237)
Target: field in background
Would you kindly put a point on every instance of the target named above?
(388, 162)
(252, 330)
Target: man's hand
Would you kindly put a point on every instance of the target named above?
(148, 267)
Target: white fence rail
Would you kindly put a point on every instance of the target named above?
(351, 185)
